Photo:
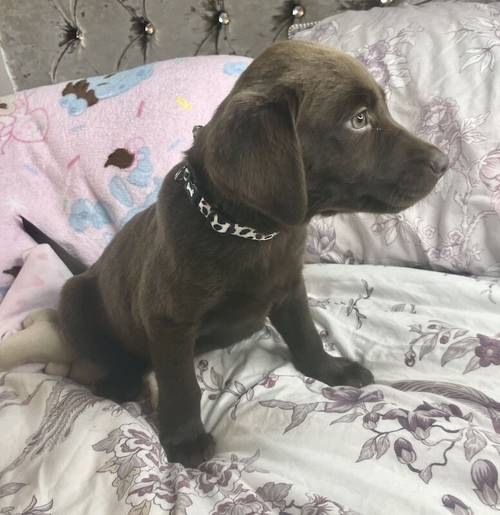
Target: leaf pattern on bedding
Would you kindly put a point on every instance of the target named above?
(484, 475)
(33, 508)
(143, 477)
(481, 351)
(489, 173)
(386, 59)
(321, 243)
(486, 32)
(65, 403)
(9, 489)
(421, 425)
(423, 438)
(352, 306)
(455, 505)
(465, 394)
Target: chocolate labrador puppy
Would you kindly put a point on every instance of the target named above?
(305, 131)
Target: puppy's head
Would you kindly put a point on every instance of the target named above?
(306, 131)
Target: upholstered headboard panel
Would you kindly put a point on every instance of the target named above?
(46, 41)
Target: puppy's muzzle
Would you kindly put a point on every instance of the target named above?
(438, 162)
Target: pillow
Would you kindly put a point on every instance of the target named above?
(80, 159)
(440, 67)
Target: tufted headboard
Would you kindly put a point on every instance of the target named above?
(47, 41)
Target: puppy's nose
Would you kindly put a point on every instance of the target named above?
(438, 162)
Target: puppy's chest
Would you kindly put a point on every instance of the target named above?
(256, 290)
(245, 295)
(248, 284)
(242, 306)
(267, 276)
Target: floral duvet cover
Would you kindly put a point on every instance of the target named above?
(424, 439)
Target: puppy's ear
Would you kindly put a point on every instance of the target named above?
(253, 155)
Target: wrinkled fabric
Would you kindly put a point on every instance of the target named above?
(424, 438)
(439, 65)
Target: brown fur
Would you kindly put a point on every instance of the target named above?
(278, 150)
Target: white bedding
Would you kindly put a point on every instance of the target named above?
(439, 65)
(425, 439)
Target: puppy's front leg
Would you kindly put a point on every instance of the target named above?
(181, 431)
(293, 320)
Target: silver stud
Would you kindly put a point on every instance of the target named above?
(298, 11)
(386, 2)
(149, 29)
(224, 18)
(79, 34)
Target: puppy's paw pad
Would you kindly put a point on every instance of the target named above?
(358, 376)
(340, 372)
(191, 452)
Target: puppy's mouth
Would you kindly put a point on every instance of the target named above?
(395, 202)
(391, 201)
(401, 198)
(328, 212)
(369, 204)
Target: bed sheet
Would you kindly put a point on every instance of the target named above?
(424, 439)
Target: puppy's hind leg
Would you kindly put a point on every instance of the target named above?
(38, 342)
(85, 327)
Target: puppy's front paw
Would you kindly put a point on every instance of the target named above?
(339, 371)
(190, 451)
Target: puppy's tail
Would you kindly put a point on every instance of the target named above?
(75, 267)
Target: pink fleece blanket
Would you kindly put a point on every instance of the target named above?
(79, 159)
(37, 285)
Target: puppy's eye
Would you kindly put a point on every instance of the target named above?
(360, 120)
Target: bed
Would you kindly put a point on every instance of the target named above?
(414, 296)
